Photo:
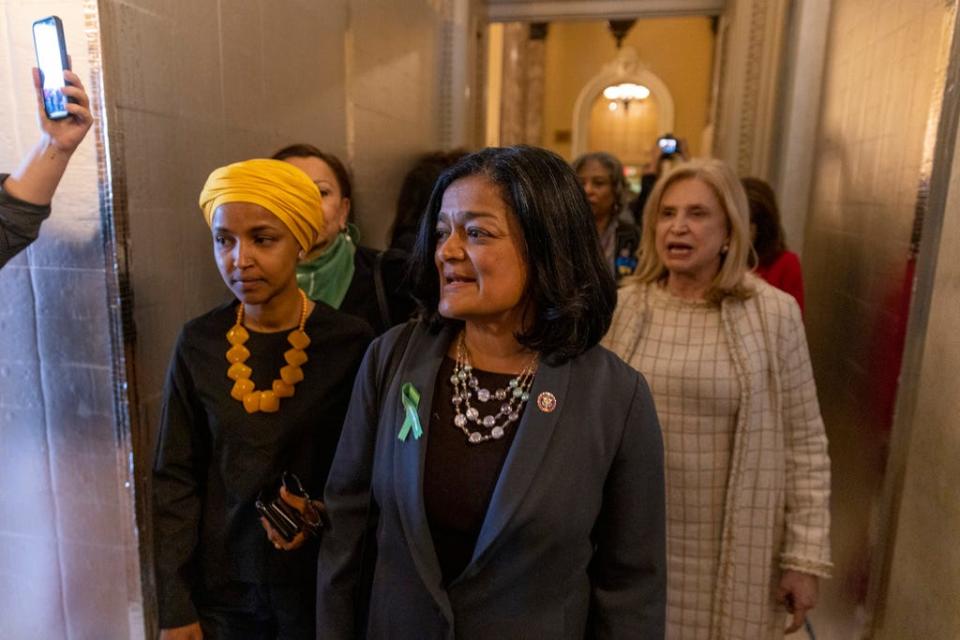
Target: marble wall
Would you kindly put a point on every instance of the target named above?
(394, 73)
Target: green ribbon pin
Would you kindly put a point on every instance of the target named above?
(410, 398)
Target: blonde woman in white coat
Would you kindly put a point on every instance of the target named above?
(747, 470)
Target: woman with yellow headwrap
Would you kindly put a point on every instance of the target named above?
(256, 388)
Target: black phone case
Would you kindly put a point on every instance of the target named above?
(284, 519)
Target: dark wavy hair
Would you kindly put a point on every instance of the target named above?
(309, 151)
(765, 215)
(417, 187)
(569, 285)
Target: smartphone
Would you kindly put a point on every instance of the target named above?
(668, 145)
(52, 59)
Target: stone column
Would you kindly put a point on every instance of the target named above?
(513, 107)
(535, 68)
(524, 53)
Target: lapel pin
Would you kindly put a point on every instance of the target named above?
(546, 402)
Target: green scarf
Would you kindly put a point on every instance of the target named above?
(328, 276)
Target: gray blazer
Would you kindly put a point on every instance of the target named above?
(572, 545)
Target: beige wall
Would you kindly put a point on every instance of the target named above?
(68, 551)
(678, 50)
(872, 158)
(394, 52)
(924, 585)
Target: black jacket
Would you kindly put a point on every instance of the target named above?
(361, 298)
(19, 223)
(572, 545)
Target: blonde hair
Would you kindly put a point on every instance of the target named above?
(731, 279)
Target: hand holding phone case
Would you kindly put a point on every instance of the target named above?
(286, 519)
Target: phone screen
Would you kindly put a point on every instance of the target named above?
(668, 145)
(51, 58)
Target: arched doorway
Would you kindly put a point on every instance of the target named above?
(625, 128)
(627, 132)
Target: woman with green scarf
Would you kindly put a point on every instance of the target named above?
(360, 281)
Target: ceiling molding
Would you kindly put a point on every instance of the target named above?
(538, 11)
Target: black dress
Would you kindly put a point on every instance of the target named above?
(213, 458)
(459, 477)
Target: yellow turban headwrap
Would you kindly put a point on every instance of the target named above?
(279, 187)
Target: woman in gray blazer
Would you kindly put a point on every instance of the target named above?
(499, 474)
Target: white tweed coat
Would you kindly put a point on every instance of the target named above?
(777, 513)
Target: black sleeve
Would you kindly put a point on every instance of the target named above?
(19, 223)
(628, 570)
(178, 474)
(647, 182)
(398, 285)
(348, 499)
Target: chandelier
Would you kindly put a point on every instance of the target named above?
(625, 93)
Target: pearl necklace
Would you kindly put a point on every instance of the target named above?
(243, 388)
(465, 385)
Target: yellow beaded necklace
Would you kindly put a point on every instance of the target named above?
(243, 388)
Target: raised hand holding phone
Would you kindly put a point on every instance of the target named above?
(37, 177)
(63, 122)
(63, 107)
(667, 144)
(65, 134)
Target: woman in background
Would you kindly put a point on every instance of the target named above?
(775, 263)
(601, 176)
(357, 280)
(415, 193)
(748, 475)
